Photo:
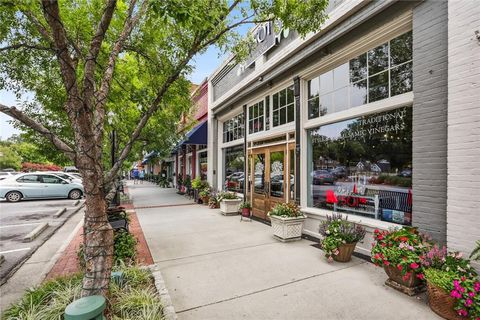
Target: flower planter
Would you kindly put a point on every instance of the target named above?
(205, 200)
(229, 207)
(441, 303)
(345, 252)
(246, 212)
(286, 228)
(410, 286)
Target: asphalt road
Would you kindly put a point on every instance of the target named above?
(19, 219)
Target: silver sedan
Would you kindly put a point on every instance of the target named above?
(39, 186)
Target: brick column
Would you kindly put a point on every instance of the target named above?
(194, 161)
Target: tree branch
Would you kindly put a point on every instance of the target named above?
(101, 95)
(31, 123)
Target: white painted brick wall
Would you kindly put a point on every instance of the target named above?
(463, 187)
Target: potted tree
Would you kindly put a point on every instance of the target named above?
(287, 221)
(452, 284)
(398, 252)
(229, 203)
(340, 237)
(246, 209)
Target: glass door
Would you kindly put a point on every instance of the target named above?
(258, 185)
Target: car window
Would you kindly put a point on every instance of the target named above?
(31, 178)
(50, 179)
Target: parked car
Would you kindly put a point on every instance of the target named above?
(67, 176)
(6, 174)
(39, 186)
(407, 173)
(339, 172)
(70, 169)
(322, 177)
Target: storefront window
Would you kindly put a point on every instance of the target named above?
(234, 128)
(234, 168)
(256, 117)
(283, 107)
(203, 165)
(380, 73)
(363, 166)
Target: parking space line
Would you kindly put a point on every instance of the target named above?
(15, 250)
(20, 225)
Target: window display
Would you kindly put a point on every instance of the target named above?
(363, 166)
(234, 168)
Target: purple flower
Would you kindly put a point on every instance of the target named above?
(455, 294)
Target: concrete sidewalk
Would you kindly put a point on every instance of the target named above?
(216, 267)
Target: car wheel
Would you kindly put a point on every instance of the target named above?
(13, 196)
(75, 194)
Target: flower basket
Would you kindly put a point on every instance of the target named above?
(396, 275)
(441, 303)
(287, 228)
(345, 252)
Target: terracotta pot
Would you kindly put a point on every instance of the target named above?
(441, 303)
(345, 252)
(205, 200)
(246, 212)
(396, 275)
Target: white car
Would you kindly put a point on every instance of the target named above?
(6, 174)
(39, 185)
(64, 175)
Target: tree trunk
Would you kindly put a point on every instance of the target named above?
(98, 236)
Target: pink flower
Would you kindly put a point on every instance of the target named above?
(420, 276)
(476, 286)
(414, 265)
(399, 267)
(471, 294)
(385, 262)
(330, 259)
(406, 276)
(462, 313)
(468, 302)
(455, 294)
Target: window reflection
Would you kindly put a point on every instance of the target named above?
(234, 169)
(363, 166)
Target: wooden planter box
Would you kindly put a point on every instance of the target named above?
(287, 229)
(229, 207)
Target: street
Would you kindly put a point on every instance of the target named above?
(26, 225)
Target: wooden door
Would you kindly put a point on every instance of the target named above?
(268, 176)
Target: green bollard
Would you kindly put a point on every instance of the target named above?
(87, 308)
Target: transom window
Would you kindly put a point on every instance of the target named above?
(256, 117)
(283, 107)
(234, 128)
(380, 73)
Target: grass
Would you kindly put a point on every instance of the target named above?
(136, 299)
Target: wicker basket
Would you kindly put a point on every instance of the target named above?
(345, 252)
(396, 275)
(441, 303)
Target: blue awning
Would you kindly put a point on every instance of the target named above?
(148, 156)
(198, 135)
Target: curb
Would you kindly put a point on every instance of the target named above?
(2, 258)
(35, 232)
(59, 213)
(168, 309)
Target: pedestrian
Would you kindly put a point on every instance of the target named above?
(135, 175)
(141, 175)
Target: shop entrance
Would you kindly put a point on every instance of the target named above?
(271, 179)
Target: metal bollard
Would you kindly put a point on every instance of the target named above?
(87, 308)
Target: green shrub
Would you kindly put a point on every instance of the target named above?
(124, 248)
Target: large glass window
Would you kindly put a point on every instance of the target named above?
(234, 128)
(283, 107)
(363, 166)
(380, 73)
(256, 117)
(234, 168)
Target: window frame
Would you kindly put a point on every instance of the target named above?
(234, 127)
(280, 107)
(254, 118)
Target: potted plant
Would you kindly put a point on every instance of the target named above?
(398, 252)
(452, 284)
(213, 202)
(287, 221)
(340, 237)
(246, 209)
(204, 194)
(229, 203)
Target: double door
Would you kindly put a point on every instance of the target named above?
(271, 178)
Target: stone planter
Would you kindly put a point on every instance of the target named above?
(287, 229)
(441, 303)
(345, 252)
(411, 286)
(229, 207)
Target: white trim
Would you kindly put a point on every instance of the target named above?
(369, 108)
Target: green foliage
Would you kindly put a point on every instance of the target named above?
(392, 180)
(136, 299)
(245, 205)
(226, 196)
(403, 249)
(9, 158)
(475, 255)
(205, 192)
(440, 278)
(286, 210)
(336, 231)
(124, 247)
(199, 184)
